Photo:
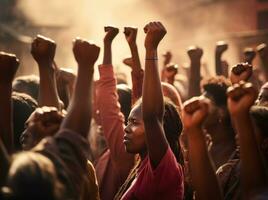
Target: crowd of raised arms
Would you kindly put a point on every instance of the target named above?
(173, 135)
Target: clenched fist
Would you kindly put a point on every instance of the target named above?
(131, 35)
(195, 53)
(111, 32)
(155, 31)
(43, 50)
(85, 53)
(241, 72)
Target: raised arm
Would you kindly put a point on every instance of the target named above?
(203, 175)
(240, 98)
(152, 97)
(137, 72)
(195, 54)
(79, 110)
(262, 50)
(8, 67)
(241, 72)
(43, 51)
(221, 47)
(111, 118)
(249, 55)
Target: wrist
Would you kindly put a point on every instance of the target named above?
(151, 54)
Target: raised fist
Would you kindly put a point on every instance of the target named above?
(85, 53)
(221, 47)
(249, 55)
(262, 50)
(194, 112)
(111, 32)
(195, 53)
(240, 98)
(8, 67)
(167, 57)
(170, 70)
(241, 72)
(131, 34)
(43, 122)
(155, 32)
(43, 50)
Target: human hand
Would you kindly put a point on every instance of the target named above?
(9, 64)
(240, 98)
(241, 72)
(170, 70)
(195, 53)
(131, 35)
(194, 112)
(43, 122)
(167, 57)
(85, 53)
(249, 55)
(43, 50)
(128, 62)
(111, 32)
(221, 46)
(155, 32)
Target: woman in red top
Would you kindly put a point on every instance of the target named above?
(152, 132)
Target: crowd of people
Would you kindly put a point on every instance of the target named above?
(173, 135)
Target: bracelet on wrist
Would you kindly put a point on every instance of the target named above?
(151, 58)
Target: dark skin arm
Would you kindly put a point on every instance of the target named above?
(153, 112)
(167, 59)
(249, 55)
(43, 51)
(80, 108)
(262, 50)
(221, 47)
(4, 163)
(8, 67)
(111, 32)
(135, 64)
(203, 175)
(240, 98)
(195, 54)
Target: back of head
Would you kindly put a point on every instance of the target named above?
(23, 106)
(124, 93)
(33, 176)
(28, 85)
(215, 88)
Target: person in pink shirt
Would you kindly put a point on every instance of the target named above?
(152, 132)
(114, 165)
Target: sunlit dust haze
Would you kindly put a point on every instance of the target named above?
(86, 18)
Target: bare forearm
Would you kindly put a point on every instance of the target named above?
(203, 175)
(48, 94)
(251, 162)
(135, 58)
(79, 112)
(195, 78)
(152, 88)
(4, 163)
(218, 64)
(6, 119)
(136, 74)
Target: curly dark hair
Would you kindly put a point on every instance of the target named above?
(215, 88)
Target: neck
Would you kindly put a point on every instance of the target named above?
(143, 155)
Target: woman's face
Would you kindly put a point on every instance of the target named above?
(134, 138)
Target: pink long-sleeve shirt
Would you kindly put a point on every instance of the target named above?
(113, 167)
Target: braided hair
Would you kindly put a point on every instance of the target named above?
(172, 125)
